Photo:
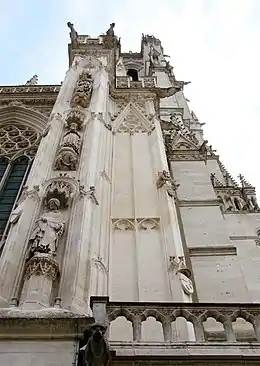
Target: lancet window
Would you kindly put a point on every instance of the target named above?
(18, 145)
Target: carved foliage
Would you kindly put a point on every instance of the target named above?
(62, 189)
(42, 265)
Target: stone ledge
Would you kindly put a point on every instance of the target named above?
(213, 251)
(198, 203)
(129, 351)
(244, 237)
(47, 323)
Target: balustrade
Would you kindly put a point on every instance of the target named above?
(196, 313)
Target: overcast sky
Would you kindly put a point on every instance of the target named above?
(212, 43)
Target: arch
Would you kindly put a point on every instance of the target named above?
(121, 312)
(214, 330)
(121, 329)
(132, 73)
(20, 133)
(244, 330)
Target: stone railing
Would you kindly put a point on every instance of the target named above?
(21, 89)
(105, 311)
(144, 82)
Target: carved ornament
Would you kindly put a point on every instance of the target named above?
(63, 188)
(42, 265)
(83, 90)
(75, 115)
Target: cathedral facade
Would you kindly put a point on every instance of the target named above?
(124, 239)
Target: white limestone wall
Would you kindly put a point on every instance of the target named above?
(205, 226)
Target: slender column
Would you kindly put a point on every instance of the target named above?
(13, 256)
(76, 277)
(230, 335)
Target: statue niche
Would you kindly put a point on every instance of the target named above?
(83, 91)
(68, 155)
(48, 229)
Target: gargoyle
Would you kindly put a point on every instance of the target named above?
(96, 350)
(166, 92)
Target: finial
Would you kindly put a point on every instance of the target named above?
(32, 81)
(244, 182)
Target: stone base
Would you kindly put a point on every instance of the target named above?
(41, 272)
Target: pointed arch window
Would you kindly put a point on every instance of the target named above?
(18, 145)
(11, 183)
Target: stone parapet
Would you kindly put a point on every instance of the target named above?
(195, 313)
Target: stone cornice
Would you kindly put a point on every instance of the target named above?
(30, 89)
(244, 237)
(198, 203)
(213, 251)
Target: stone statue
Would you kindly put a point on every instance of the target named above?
(67, 159)
(110, 32)
(73, 34)
(32, 81)
(154, 55)
(164, 179)
(48, 228)
(168, 67)
(96, 350)
(83, 90)
(72, 138)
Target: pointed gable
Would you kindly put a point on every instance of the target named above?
(132, 120)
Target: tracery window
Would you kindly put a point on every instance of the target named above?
(18, 145)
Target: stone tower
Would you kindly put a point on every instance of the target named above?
(114, 209)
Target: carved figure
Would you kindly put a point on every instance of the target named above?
(48, 228)
(72, 138)
(168, 67)
(166, 92)
(228, 203)
(164, 179)
(32, 81)
(73, 34)
(83, 90)
(67, 159)
(154, 55)
(96, 350)
(110, 32)
(203, 147)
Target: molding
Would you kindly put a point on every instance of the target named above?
(244, 237)
(26, 89)
(198, 203)
(213, 251)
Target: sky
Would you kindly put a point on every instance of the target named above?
(212, 43)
